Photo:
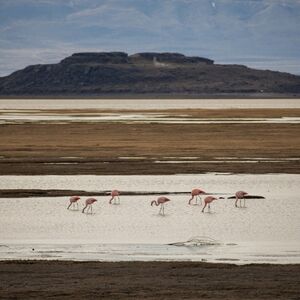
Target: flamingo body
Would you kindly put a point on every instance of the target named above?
(73, 201)
(196, 193)
(207, 201)
(88, 203)
(114, 196)
(239, 196)
(161, 201)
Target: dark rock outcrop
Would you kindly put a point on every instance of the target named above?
(169, 58)
(144, 73)
(96, 58)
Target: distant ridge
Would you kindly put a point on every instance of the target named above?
(148, 73)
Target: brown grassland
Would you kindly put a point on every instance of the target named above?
(108, 148)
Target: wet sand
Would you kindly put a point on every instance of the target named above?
(146, 280)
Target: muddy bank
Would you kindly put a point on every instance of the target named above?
(138, 167)
(147, 280)
(20, 193)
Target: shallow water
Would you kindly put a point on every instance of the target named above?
(241, 253)
(267, 230)
(9, 117)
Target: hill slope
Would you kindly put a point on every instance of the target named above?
(143, 73)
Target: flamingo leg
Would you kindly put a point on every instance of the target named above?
(200, 200)
(209, 207)
(69, 205)
(119, 200)
(161, 212)
(236, 200)
(204, 207)
(163, 207)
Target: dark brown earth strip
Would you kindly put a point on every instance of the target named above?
(147, 280)
(157, 96)
(25, 193)
(144, 167)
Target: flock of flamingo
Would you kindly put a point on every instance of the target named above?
(195, 195)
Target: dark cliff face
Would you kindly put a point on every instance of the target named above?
(123, 58)
(97, 58)
(143, 73)
(175, 58)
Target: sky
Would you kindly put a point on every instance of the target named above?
(263, 34)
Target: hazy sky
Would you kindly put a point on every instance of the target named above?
(259, 33)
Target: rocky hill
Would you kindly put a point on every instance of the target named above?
(144, 73)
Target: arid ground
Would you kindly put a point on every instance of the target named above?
(152, 148)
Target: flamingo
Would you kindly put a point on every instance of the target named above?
(160, 201)
(73, 201)
(208, 200)
(196, 193)
(240, 195)
(114, 195)
(88, 203)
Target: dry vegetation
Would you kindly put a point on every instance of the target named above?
(96, 148)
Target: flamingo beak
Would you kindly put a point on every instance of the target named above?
(221, 198)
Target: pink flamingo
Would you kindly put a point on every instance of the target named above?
(88, 203)
(240, 195)
(196, 193)
(73, 201)
(161, 201)
(114, 196)
(208, 200)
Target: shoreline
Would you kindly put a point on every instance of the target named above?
(154, 96)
